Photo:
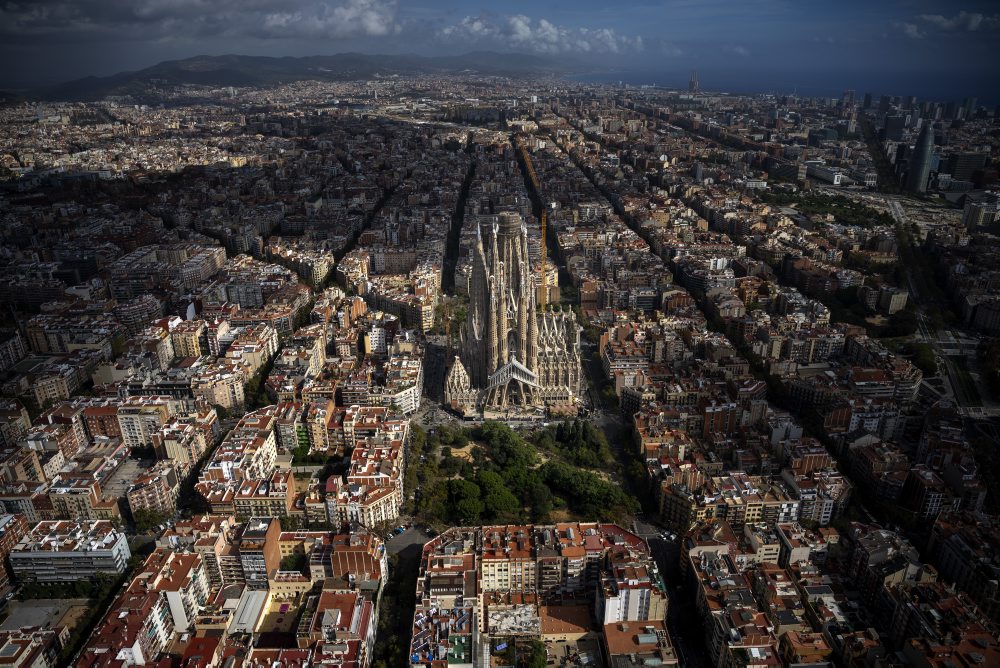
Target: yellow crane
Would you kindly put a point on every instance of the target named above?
(544, 269)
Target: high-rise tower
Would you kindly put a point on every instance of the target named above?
(919, 168)
(512, 354)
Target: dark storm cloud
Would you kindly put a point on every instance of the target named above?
(57, 21)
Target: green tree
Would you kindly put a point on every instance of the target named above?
(903, 323)
(432, 501)
(466, 501)
(469, 511)
(451, 466)
(498, 501)
(146, 519)
(586, 494)
(540, 499)
(295, 561)
(506, 448)
(536, 656)
(924, 359)
(418, 438)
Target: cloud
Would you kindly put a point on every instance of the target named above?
(963, 21)
(94, 20)
(370, 18)
(521, 32)
(911, 30)
(670, 49)
(736, 50)
(925, 25)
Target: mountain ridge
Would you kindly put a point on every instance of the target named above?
(241, 70)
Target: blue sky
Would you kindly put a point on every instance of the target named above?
(800, 43)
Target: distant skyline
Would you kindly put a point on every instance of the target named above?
(928, 48)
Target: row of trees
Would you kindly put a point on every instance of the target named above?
(396, 616)
(846, 211)
(95, 588)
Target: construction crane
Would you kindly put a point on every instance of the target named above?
(545, 273)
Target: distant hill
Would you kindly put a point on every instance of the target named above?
(233, 70)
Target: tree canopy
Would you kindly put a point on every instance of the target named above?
(506, 479)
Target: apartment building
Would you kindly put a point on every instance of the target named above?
(258, 550)
(155, 490)
(481, 587)
(12, 529)
(65, 551)
(139, 418)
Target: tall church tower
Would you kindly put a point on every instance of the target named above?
(501, 328)
(500, 362)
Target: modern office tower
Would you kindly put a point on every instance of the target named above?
(919, 168)
(894, 126)
(963, 165)
(969, 104)
(981, 210)
(513, 356)
(868, 101)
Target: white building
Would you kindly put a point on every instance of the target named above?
(62, 551)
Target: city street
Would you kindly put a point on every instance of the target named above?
(953, 348)
(682, 622)
(412, 537)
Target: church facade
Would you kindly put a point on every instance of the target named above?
(513, 356)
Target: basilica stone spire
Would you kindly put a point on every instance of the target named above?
(502, 365)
